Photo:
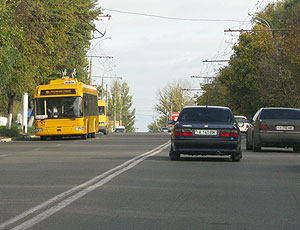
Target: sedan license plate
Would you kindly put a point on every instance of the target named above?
(285, 127)
(206, 132)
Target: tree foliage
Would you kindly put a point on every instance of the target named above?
(265, 67)
(39, 39)
(171, 99)
(120, 105)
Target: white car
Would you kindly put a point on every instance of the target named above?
(243, 123)
(120, 129)
(164, 129)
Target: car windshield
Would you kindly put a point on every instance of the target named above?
(286, 114)
(59, 107)
(206, 115)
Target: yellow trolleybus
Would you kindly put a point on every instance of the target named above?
(66, 107)
(103, 117)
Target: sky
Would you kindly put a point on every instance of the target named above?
(151, 52)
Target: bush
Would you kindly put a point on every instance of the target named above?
(15, 131)
(31, 130)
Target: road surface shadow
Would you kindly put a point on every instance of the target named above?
(194, 158)
(275, 150)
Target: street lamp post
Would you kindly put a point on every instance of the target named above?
(91, 56)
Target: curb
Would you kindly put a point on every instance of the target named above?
(21, 138)
(6, 140)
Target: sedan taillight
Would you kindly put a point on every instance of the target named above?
(183, 132)
(229, 133)
(263, 127)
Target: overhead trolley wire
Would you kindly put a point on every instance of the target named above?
(174, 18)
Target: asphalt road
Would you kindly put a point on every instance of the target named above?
(126, 181)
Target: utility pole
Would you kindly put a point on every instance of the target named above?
(102, 83)
(91, 80)
(91, 56)
(106, 97)
(102, 89)
(115, 111)
(170, 118)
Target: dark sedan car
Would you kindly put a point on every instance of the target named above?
(202, 130)
(274, 127)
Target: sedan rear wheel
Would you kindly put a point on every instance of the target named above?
(237, 156)
(296, 149)
(255, 147)
(174, 156)
(248, 146)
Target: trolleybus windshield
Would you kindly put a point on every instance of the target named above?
(58, 107)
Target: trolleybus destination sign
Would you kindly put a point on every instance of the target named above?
(57, 91)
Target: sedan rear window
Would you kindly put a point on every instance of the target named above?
(206, 115)
(286, 114)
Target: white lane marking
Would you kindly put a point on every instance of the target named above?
(80, 190)
(59, 145)
(3, 155)
(36, 149)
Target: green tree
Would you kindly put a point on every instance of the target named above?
(120, 103)
(171, 99)
(9, 56)
(265, 67)
(127, 115)
(241, 76)
(214, 94)
(39, 39)
(154, 127)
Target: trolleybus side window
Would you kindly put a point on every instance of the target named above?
(90, 105)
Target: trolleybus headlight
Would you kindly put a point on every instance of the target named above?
(39, 130)
(79, 128)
